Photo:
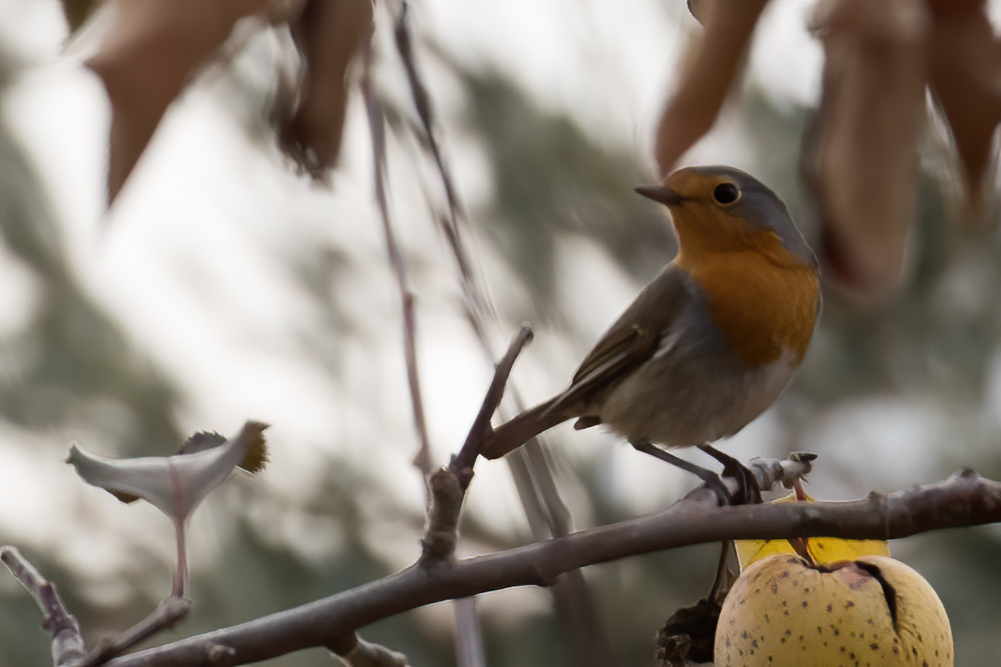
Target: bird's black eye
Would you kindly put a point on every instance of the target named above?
(726, 193)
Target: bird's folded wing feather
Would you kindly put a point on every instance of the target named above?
(632, 339)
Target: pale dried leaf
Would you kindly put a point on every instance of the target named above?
(328, 33)
(965, 75)
(173, 484)
(253, 461)
(151, 51)
(711, 67)
(861, 159)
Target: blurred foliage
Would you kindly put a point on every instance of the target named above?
(71, 362)
(552, 178)
(72, 366)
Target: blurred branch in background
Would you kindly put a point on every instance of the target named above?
(376, 120)
(533, 476)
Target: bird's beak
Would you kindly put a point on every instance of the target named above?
(660, 193)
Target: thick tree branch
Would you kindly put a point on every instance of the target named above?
(963, 500)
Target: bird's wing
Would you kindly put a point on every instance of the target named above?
(632, 339)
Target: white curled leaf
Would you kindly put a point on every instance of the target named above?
(174, 484)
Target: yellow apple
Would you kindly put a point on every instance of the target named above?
(784, 611)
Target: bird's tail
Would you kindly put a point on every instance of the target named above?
(516, 432)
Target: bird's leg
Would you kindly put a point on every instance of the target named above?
(750, 490)
(711, 479)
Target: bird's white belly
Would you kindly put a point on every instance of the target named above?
(681, 404)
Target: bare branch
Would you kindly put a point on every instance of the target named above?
(468, 637)
(447, 486)
(67, 642)
(965, 499)
(167, 614)
(471, 448)
(376, 124)
(476, 303)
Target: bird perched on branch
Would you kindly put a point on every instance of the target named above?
(711, 341)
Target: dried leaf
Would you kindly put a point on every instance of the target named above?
(201, 441)
(77, 12)
(697, 8)
(710, 69)
(861, 157)
(329, 33)
(152, 50)
(687, 636)
(174, 484)
(961, 6)
(254, 460)
(964, 71)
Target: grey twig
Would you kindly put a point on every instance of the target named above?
(468, 638)
(476, 303)
(365, 654)
(67, 643)
(376, 120)
(167, 614)
(965, 499)
(481, 425)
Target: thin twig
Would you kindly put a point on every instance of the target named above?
(365, 654)
(67, 642)
(965, 499)
(376, 122)
(182, 577)
(167, 614)
(476, 303)
(471, 447)
(446, 491)
(468, 638)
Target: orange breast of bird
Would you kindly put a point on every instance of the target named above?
(763, 298)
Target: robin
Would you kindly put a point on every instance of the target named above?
(711, 341)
